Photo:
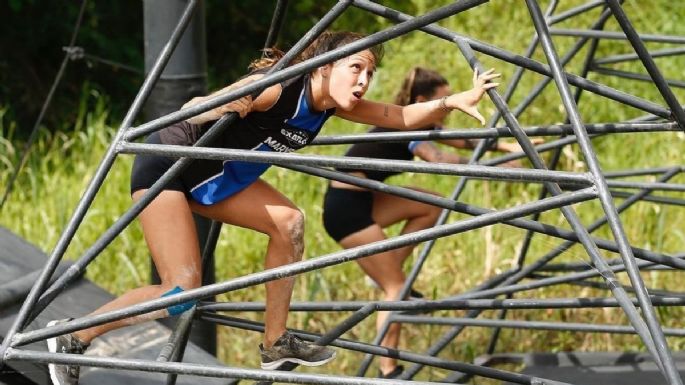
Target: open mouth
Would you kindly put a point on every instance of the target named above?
(358, 94)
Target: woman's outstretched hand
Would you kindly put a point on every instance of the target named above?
(467, 101)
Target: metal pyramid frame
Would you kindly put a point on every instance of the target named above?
(594, 184)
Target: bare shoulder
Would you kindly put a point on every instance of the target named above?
(268, 97)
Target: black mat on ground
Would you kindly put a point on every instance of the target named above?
(601, 368)
(144, 341)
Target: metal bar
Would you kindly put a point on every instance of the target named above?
(176, 169)
(400, 354)
(193, 369)
(609, 35)
(642, 171)
(529, 325)
(304, 266)
(276, 23)
(651, 198)
(495, 132)
(594, 226)
(518, 60)
(654, 186)
(574, 11)
(445, 304)
(554, 189)
(655, 335)
(553, 162)
(307, 65)
(474, 171)
(451, 204)
(577, 46)
(636, 41)
(635, 76)
(24, 316)
(634, 56)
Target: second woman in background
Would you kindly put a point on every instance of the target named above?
(354, 216)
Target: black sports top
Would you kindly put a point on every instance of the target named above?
(383, 150)
(288, 125)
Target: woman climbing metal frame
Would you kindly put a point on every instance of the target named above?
(283, 118)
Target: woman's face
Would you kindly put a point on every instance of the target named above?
(350, 78)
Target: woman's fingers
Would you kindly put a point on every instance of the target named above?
(241, 106)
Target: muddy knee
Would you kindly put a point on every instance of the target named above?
(290, 229)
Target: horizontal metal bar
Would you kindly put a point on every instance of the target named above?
(475, 171)
(447, 304)
(529, 325)
(634, 56)
(496, 132)
(615, 35)
(574, 11)
(635, 76)
(646, 185)
(641, 171)
(651, 198)
(399, 354)
(193, 369)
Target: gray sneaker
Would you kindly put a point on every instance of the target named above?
(290, 348)
(64, 374)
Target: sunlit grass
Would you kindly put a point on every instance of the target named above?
(60, 167)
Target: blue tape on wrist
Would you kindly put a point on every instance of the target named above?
(413, 144)
(181, 307)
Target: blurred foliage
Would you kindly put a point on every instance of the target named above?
(34, 32)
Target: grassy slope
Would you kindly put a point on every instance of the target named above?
(65, 164)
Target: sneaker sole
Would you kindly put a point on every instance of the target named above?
(274, 365)
(52, 348)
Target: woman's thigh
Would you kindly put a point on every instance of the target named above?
(258, 207)
(389, 209)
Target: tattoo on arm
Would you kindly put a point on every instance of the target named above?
(385, 111)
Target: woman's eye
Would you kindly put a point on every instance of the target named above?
(356, 66)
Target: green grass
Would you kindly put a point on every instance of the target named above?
(60, 167)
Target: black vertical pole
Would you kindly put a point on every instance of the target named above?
(184, 77)
(276, 23)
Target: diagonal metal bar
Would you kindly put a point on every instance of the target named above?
(307, 265)
(24, 316)
(175, 170)
(663, 354)
(302, 67)
(636, 41)
(521, 61)
(554, 189)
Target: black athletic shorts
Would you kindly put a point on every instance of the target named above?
(346, 211)
(147, 169)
